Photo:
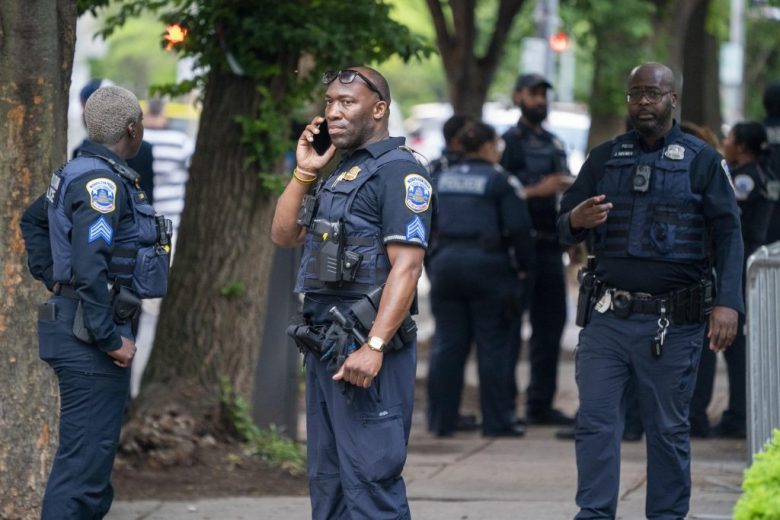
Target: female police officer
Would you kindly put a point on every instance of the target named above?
(481, 245)
(108, 250)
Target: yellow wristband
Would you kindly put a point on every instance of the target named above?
(300, 179)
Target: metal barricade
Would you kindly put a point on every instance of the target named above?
(763, 346)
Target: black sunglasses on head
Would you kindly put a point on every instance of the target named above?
(347, 76)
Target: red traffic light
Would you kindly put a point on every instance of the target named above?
(559, 42)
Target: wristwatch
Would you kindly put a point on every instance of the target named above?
(376, 343)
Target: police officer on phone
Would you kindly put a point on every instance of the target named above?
(364, 226)
(653, 199)
(108, 250)
(538, 159)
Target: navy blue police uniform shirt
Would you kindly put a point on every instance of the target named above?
(97, 205)
(388, 199)
(507, 194)
(710, 177)
(757, 193)
(531, 156)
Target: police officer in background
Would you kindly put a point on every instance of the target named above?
(451, 154)
(371, 215)
(757, 190)
(481, 248)
(538, 159)
(772, 125)
(650, 197)
(108, 250)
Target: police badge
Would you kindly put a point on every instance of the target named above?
(675, 152)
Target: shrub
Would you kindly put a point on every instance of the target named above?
(760, 499)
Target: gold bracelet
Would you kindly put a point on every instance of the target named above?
(305, 172)
(300, 179)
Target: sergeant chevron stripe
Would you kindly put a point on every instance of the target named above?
(415, 229)
(101, 229)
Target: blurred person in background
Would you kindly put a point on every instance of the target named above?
(480, 254)
(772, 125)
(538, 159)
(451, 154)
(757, 190)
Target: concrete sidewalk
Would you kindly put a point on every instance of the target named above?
(468, 477)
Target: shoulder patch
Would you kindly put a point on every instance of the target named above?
(418, 192)
(101, 230)
(743, 185)
(102, 195)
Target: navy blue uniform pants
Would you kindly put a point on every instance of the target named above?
(547, 314)
(472, 297)
(610, 351)
(93, 396)
(735, 415)
(357, 439)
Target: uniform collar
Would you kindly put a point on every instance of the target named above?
(385, 145)
(90, 148)
(672, 136)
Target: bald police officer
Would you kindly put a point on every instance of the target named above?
(651, 198)
(364, 226)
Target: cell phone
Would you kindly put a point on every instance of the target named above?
(321, 141)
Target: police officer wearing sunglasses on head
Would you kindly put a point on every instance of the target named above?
(106, 250)
(661, 209)
(364, 227)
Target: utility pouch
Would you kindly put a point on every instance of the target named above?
(331, 255)
(686, 306)
(79, 329)
(125, 304)
(349, 265)
(164, 231)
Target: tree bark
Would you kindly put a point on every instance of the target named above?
(212, 320)
(37, 42)
(701, 96)
(469, 76)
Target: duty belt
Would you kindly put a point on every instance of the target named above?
(687, 305)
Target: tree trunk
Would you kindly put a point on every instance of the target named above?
(469, 76)
(36, 55)
(607, 112)
(701, 97)
(212, 320)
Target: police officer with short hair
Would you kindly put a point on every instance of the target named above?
(364, 226)
(108, 251)
(538, 159)
(757, 190)
(480, 248)
(451, 154)
(652, 199)
(772, 125)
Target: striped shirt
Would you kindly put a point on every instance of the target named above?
(171, 150)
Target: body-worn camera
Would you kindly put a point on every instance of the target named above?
(307, 211)
(640, 181)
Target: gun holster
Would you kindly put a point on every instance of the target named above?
(80, 330)
(590, 287)
(125, 304)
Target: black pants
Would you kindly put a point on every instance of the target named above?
(471, 296)
(547, 312)
(735, 416)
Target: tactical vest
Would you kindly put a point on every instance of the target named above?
(541, 157)
(138, 261)
(334, 205)
(466, 210)
(665, 222)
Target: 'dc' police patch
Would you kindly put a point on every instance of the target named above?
(418, 192)
(102, 195)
